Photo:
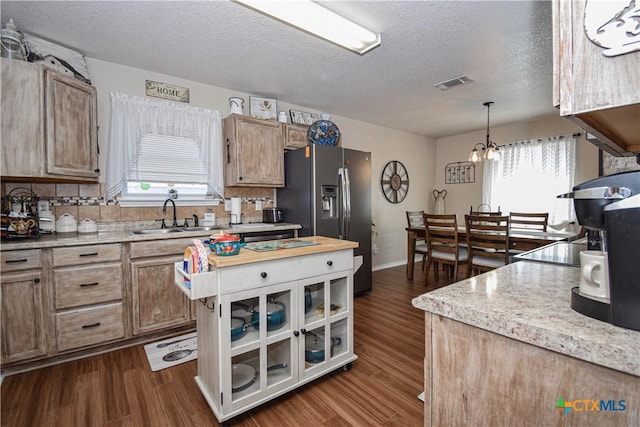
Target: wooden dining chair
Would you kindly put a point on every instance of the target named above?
(529, 220)
(443, 243)
(415, 219)
(487, 242)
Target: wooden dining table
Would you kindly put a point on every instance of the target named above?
(519, 240)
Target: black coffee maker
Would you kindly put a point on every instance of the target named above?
(609, 208)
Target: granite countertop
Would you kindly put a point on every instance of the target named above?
(530, 302)
(122, 233)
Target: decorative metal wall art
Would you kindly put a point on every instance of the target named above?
(460, 173)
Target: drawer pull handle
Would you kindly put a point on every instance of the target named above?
(15, 261)
(93, 325)
(329, 263)
(84, 285)
(36, 280)
(263, 274)
(90, 254)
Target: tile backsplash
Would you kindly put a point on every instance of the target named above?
(86, 201)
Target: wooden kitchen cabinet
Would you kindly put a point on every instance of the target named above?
(49, 125)
(254, 152)
(88, 295)
(294, 341)
(23, 306)
(156, 303)
(295, 136)
(600, 94)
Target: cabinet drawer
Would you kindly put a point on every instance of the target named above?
(89, 326)
(86, 254)
(20, 260)
(87, 285)
(161, 247)
(250, 276)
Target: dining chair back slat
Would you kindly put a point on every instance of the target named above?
(416, 219)
(487, 242)
(529, 220)
(443, 242)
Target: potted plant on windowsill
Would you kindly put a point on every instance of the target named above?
(173, 193)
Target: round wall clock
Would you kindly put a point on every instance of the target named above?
(395, 181)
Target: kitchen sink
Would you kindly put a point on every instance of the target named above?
(207, 228)
(158, 231)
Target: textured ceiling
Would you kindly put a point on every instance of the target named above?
(504, 47)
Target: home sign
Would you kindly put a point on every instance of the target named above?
(167, 91)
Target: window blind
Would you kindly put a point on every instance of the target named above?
(163, 158)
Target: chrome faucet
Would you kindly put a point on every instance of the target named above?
(164, 210)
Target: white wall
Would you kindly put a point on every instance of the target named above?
(416, 152)
(456, 148)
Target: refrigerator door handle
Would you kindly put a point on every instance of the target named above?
(343, 210)
(347, 215)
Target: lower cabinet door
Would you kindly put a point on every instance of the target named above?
(89, 326)
(157, 302)
(23, 333)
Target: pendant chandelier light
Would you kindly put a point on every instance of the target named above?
(490, 149)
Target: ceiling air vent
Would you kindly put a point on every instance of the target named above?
(456, 81)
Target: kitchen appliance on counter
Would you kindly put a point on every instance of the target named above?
(610, 206)
(272, 215)
(46, 217)
(328, 191)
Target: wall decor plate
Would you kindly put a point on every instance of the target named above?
(323, 132)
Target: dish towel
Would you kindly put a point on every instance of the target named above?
(195, 259)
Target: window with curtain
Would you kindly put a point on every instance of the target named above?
(157, 145)
(530, 175)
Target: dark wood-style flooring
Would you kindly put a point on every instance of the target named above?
(119, 389)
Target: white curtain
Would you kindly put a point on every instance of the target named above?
(132, 117)
(530, 175)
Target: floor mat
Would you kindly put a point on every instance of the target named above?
(172, 351)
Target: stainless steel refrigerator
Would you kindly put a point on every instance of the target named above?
(328, 191)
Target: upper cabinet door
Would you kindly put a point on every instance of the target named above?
(72, 147)
(22, 119)
(254, 152)
(597, 91)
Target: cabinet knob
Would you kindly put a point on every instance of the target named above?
(96, 170)
(36, 280)
(263, 274)
(296, 333)
(329, 263)
(303, 330)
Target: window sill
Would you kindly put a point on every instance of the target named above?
(150, 202)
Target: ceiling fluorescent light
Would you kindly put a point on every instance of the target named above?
(318, 20)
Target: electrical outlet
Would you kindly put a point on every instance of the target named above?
(375, 249)
(227, 205)
(258, 205)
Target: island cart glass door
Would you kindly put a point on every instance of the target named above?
(325, 323)
(259, 353)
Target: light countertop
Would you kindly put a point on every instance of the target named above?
(120, 233)
(530, 302)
